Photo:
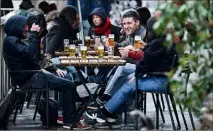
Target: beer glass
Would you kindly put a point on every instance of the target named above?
(111, 44)
(66, 44)
(97, 42)
(111, 41)
(137, 42)
(103, 39)
(100, 52)
(83, 50)
(87, 41)
(72, 50)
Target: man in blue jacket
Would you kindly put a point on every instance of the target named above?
(19, 56)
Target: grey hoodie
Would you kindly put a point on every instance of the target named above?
(141, 31)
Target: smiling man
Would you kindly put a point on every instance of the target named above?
(131, 27)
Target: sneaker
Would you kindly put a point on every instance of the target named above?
(83, 126)
(77, 126)
(68, 126)
(60, 120)
(106, 125)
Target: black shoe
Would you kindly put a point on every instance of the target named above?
(102, 100)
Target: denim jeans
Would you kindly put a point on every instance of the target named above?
(62, 85)
(148, 84)
(119, 78)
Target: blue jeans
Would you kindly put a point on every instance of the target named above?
(148, 84)
(62, 85)
(120, 76)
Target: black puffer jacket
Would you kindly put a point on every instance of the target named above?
(18, 55)
(61, 29)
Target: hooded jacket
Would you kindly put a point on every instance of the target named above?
(129, 40)
(61, 29)
(100, 12)
(17, 54)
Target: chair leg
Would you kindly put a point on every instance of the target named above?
(144, 103)
(175, 111)
(125, 117)
(29, 97)
(22, 102)
(184, 119)
(37, 104)
(15, 115)
(161, 95)
(191, 118)
(157, 111)
(170, 112)
(161, 111)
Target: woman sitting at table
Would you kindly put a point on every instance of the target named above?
(101, 24)
(156, 58)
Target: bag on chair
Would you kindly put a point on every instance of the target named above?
(53, 112)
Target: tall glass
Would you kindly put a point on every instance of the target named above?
(87, 41)
(72, 50)
(66, 44)
(111, 44)
(103, 39)
(83, 52)
(100, 52)
(137, 42)
(111, 41)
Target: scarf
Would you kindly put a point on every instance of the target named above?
(105, 29)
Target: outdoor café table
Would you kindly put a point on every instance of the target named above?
(66, 53)
(75, 61)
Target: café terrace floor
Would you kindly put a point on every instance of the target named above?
(25, 121)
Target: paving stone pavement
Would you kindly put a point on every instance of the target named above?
(25, 121)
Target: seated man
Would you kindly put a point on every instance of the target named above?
(131, 27)
(19, 56)
(156, 58)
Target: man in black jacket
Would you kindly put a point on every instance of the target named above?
(19, 56)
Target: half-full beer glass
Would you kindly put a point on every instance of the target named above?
(72, 50)
(83, 52)
(137, 42)
(100, 52)
(87, 41)
(66, 44)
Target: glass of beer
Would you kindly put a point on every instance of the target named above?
(72, 50)
(66, 44)
(83, 52)
(100, 52)
(137, 42)
(87, 41)
(111, 41)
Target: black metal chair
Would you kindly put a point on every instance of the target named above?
(157, 102)
(167, 94)
(19, 94)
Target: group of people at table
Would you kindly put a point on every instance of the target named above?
(136, 41)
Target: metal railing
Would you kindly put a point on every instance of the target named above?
(4, 77)
(4, 11)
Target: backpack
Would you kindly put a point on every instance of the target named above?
(53, 112)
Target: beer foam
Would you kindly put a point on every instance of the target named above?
(137, 37)
(100, 47)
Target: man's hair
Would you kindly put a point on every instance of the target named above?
(132, 13)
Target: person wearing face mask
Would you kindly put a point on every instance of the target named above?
(101, 24)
